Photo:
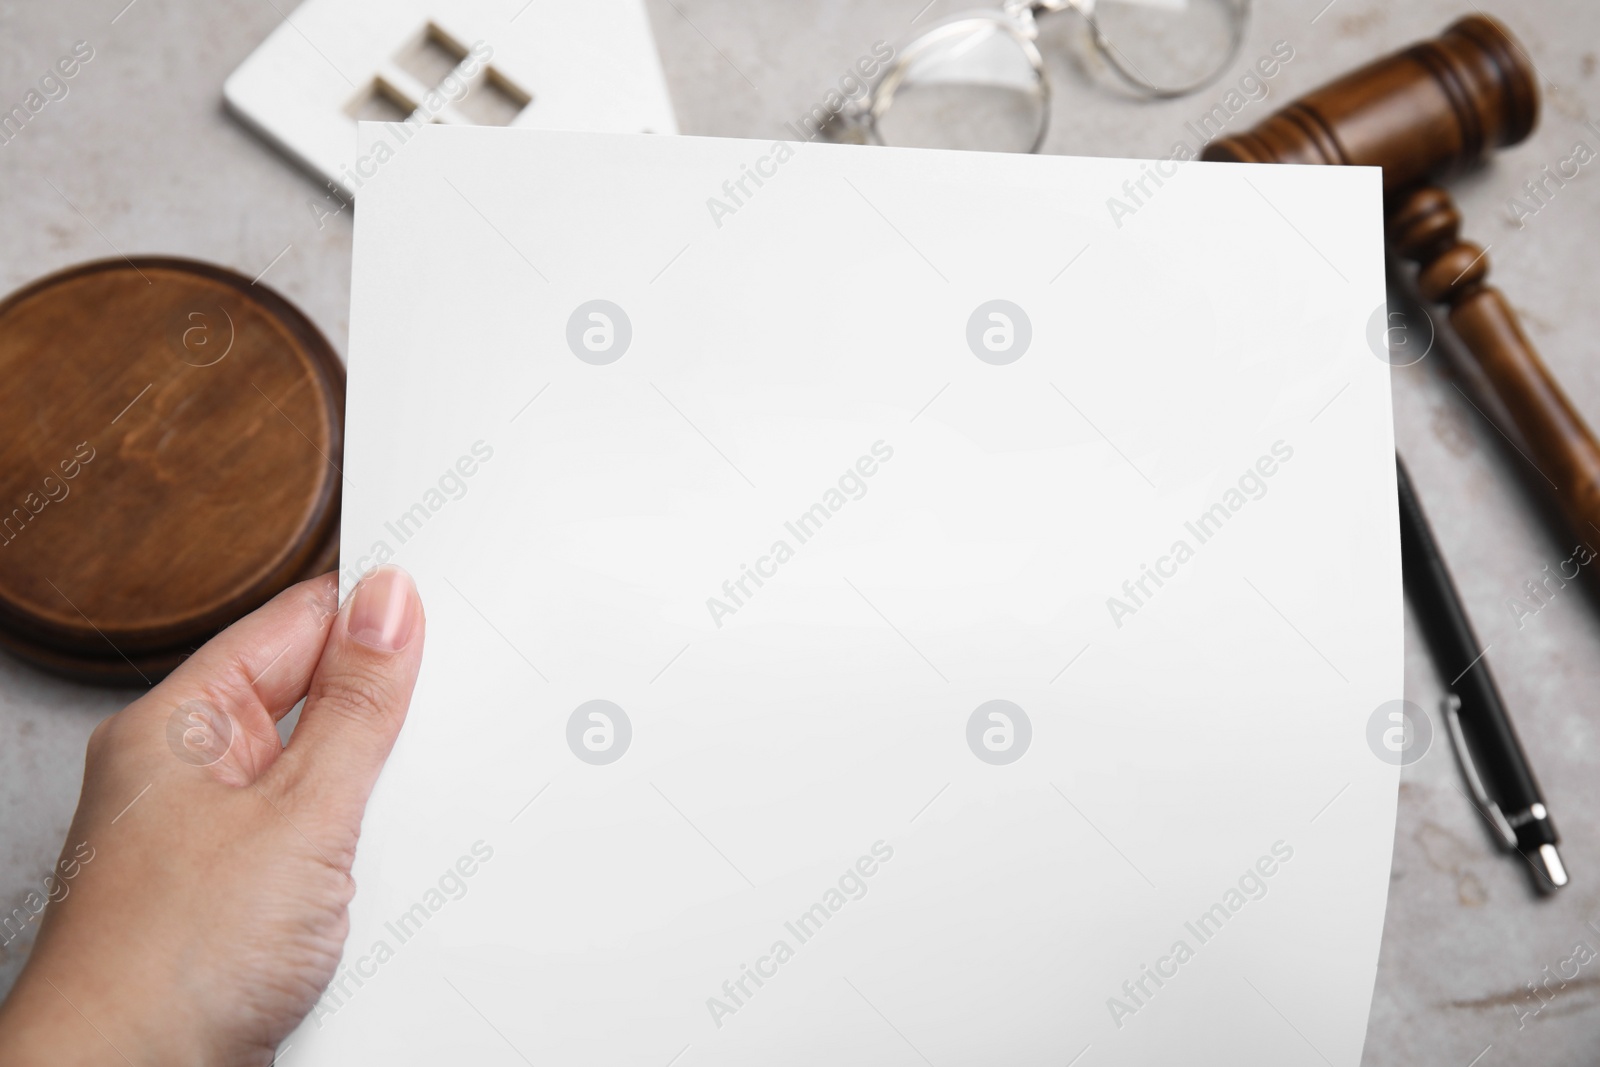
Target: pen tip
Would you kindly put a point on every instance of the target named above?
(1547, 862)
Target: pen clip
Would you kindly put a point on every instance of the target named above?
(1469, 771)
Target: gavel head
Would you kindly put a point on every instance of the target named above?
(1433, 109)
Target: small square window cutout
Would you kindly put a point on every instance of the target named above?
(493, 100)
(431, 57)
(380, 102)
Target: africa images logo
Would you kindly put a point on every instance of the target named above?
(1399, 732)
(999, 332)
(599, 332)
(599, 732)
(999, 732)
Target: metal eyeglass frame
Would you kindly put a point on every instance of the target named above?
(1018, 20)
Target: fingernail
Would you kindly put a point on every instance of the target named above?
(382, 610)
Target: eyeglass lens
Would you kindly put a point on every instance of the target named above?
(1167, 47)
(976, 82)
(971, 84)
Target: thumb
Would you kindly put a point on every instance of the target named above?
(356, 706)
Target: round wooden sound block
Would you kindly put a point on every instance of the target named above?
(168, 439)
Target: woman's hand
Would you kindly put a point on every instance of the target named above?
(199, 906)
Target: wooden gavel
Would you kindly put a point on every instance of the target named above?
(1429, 111)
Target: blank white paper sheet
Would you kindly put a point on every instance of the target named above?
(884, 607)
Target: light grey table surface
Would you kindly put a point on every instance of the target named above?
(150, 163)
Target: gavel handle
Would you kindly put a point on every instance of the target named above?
(1424, 226)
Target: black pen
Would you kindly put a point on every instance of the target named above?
(1473, 708)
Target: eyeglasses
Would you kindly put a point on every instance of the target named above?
(977, 80)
